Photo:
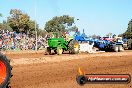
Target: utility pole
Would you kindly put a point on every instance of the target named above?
(35, 6)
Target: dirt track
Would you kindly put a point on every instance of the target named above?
(36, 70)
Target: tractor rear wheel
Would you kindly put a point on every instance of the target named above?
(73, 47)
(59, 50)
(5, 71)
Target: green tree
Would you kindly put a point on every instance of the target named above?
(41, 32)
(0, 15)
(31, 27)
(109, 35)
(59, 24)
(128, 32)
(5, 26)
(74, 29)
(20, 22)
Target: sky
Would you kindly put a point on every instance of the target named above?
(98, 17)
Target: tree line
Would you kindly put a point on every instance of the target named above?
(128, 33)
(22, 23)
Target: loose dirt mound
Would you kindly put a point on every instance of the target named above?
(36, 70)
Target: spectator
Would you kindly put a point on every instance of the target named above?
(13, 41)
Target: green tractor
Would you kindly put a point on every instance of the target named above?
(59, 45)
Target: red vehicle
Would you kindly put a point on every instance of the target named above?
(5, 71)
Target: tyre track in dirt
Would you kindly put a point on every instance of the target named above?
(32, 58)
(62, 73)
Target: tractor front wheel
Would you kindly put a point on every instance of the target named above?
(59, 50)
